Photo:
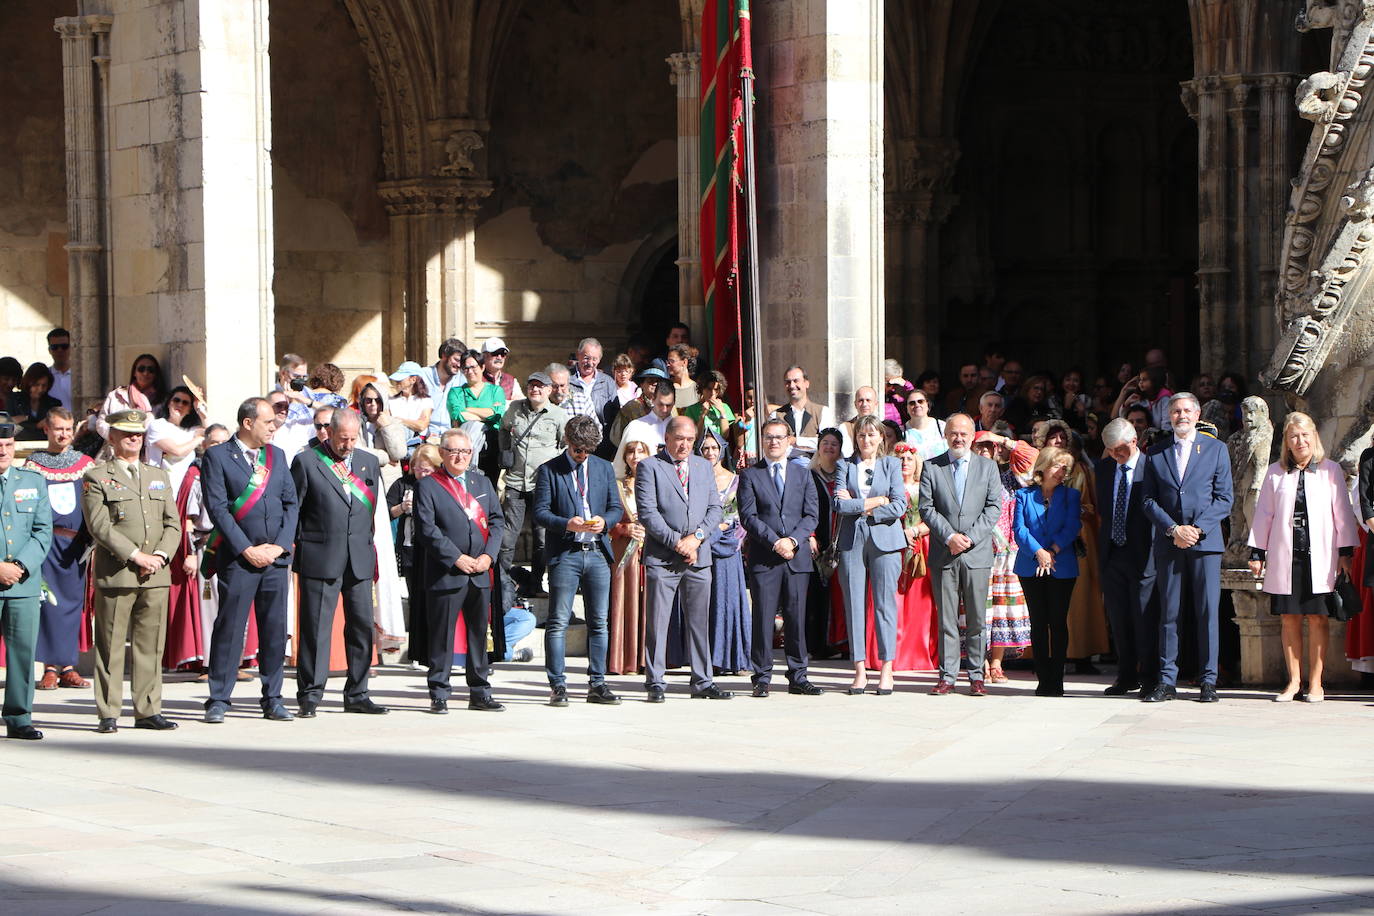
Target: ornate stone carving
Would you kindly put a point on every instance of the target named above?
(434, 195)
(1249, 447)
(459, 147)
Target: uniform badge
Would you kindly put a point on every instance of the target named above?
(259, 475)
(25, 494)
(157, 485)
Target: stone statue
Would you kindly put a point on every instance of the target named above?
(1249, 448)
(459, 148)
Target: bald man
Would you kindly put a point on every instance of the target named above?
(866, 404)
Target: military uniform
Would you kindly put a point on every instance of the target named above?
(129, 508)
(27, 523)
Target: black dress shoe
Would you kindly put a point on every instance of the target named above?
(805, 688)
(305, 709)
(107, 726)
(558, 696)
(1208, 694)
(712, 693)
(1159, 693)
(159, 723)
(23, 733)
(1121, 688)
(214, 713)
(277, 712)
(760, 690)
(438, 707)
(366, 707)
(485, 704)
(655, 695)
(603, 695)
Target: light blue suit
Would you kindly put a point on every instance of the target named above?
(871, 547)
(26, 537)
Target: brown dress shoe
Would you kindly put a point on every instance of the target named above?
(48, 681)
(70, 678)
(943, 688)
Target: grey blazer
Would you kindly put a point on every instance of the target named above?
(884, 526)
(668, 514)
(975, 517)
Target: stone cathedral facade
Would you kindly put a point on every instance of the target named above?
(221, 181)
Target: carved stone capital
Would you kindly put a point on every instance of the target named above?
(434, 195)
(1188, 96)
(925, 164)
(683, 63)
(930, 208)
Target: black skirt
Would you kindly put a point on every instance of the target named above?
(1300, 599)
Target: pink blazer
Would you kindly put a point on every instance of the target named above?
(1331, 519)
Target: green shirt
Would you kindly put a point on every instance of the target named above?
(719, 417)
(461, 398)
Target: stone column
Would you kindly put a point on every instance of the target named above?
(190, 196)
(686, 76)
(83, 41)
(433, 236)
(820, 191)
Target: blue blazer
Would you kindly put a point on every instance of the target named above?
(768, 517)
(1037, 526)
(224, 472)
(444, 531)
(884, 526)
(556, 500)
(1139, 549)
(1202, 498)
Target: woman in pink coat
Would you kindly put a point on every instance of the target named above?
(1304, 530)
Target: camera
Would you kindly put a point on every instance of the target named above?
(297, 383)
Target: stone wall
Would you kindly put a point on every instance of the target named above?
(582, 153)
(331, 231)
(33, 199)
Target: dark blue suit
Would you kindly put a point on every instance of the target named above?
(1201, 498)
(224, 473)
(575, 564)
(779, 584)
(444, 531)
(1128, 576)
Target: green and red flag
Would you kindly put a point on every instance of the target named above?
(725, 54)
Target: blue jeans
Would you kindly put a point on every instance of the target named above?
(589, 570)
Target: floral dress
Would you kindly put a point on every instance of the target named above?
(1008, 620)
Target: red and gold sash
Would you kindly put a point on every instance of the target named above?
(352, 482)
(471, 507)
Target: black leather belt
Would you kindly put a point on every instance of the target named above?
(584, 545)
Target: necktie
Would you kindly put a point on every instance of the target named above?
(682, 474)
(777, 477)
(1119, 507)
(959, 474)
(1181, 456)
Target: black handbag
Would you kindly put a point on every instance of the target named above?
(1344, 601)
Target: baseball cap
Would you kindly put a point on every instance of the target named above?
(493, 345)
(405, 370)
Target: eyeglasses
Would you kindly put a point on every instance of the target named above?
(472, 368)
(180, 402)
(321, 425)
(455, 451)
(145, 368)
(371, 400)
(280, 407)
(774, 438)
(65, 346)
(579, 450)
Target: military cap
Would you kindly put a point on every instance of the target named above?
(128, 421)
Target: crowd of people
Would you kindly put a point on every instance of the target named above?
(332, 524)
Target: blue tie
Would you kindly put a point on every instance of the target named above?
(1119, 509)
(777, 477)
(959, 474)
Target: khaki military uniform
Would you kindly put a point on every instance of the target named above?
(125, 513)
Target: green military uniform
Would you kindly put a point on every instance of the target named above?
(27, 520)
(129, 508)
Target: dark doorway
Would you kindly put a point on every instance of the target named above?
(656, 298)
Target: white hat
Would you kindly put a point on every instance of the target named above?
(492, 344)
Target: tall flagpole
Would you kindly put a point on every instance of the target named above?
(754, 343)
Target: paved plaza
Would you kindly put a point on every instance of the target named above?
(785, 805)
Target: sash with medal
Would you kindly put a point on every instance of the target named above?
(352, 482)
(471, 507)
(252, 493)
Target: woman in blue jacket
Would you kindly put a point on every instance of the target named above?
(1048, 519)
(871, 502)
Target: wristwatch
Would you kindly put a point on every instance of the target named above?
(700, 534)
(1169, 532)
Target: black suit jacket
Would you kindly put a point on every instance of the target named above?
(556, 500)
(224, 472)
(1140, 533)
(767, 518)
(444, 531)
(335, 532)
(1366, 487)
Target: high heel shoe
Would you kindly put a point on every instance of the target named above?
(856, 691)
(883, 691)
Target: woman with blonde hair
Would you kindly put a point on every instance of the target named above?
(1047, 521)
(1304, 532)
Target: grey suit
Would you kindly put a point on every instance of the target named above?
(966, 575)
(668, 514)
(871, 548)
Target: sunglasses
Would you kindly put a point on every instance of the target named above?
(914, 403)
(65, 346)
(868, 477)
(180, 402)
(321, 425)
(371, 400)
(579, 450)
(280, 406)
(145, 368)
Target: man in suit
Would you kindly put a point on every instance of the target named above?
(575, 500)
(779, 509)
(1187, 495)
(251, 500)
(336, 484)
(27, 536)
(961, 500)
(131, 515)
(1125, 551)
(458, 523)
(678, 504)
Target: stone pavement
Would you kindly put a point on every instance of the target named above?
(831, 804)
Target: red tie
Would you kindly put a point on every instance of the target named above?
(682, 474)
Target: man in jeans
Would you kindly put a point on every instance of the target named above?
(531, 433)
(575, 499)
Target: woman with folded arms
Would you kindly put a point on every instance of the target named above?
(1046, 522)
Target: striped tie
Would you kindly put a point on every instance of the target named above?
(682, 474)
